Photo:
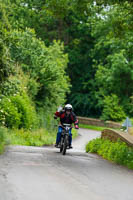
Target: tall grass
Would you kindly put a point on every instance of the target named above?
(38, 137)
(43, 136)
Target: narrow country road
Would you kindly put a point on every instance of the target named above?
(32, 173)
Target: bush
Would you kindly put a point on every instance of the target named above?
(12, 86)
(112, 110)
(27, 112)
(117, 152)
(93, 146)
(48, 81)
(17, 112)
(9, 115)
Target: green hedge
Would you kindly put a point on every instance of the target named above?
(17, 112)
(117, 152)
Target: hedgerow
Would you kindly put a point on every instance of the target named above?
(117, 152)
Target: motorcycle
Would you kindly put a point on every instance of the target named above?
(64, 143)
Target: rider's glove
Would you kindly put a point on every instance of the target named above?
(76, 126)
(55, 117)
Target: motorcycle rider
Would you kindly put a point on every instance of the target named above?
(66, 116)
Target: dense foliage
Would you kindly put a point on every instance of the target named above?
(112, 55)
(117, 152)
(47, 81)
(32, 76)
(48, 46)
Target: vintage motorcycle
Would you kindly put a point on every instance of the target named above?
(64, 143)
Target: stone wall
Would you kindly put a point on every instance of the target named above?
(113, 135)
(98, 122)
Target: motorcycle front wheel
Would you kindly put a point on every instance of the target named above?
(61, 145)
(65, 145)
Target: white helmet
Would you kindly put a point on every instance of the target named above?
(68, 107)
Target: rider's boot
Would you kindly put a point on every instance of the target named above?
(57, 145)
(70, 146)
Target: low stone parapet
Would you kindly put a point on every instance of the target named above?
(114, 135)
(98, 122)
(91, 121)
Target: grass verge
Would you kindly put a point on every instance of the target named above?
(74, 133)
(41, 137)
(97, 128)
(38, 137)
(3, 135)
(117, 152)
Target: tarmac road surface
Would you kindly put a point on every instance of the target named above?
(32, 173)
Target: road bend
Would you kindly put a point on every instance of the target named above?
(33, 173)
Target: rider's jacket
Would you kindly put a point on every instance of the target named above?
(68, 119)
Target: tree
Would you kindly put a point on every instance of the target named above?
(112, 54)
(97, 36)
(44, 65)
(6, 65)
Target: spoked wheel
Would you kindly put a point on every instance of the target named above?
(61, 145)
(64, 145)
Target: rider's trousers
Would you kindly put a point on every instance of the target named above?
(58, 138)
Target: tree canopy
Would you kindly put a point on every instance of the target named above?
(68, 51)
